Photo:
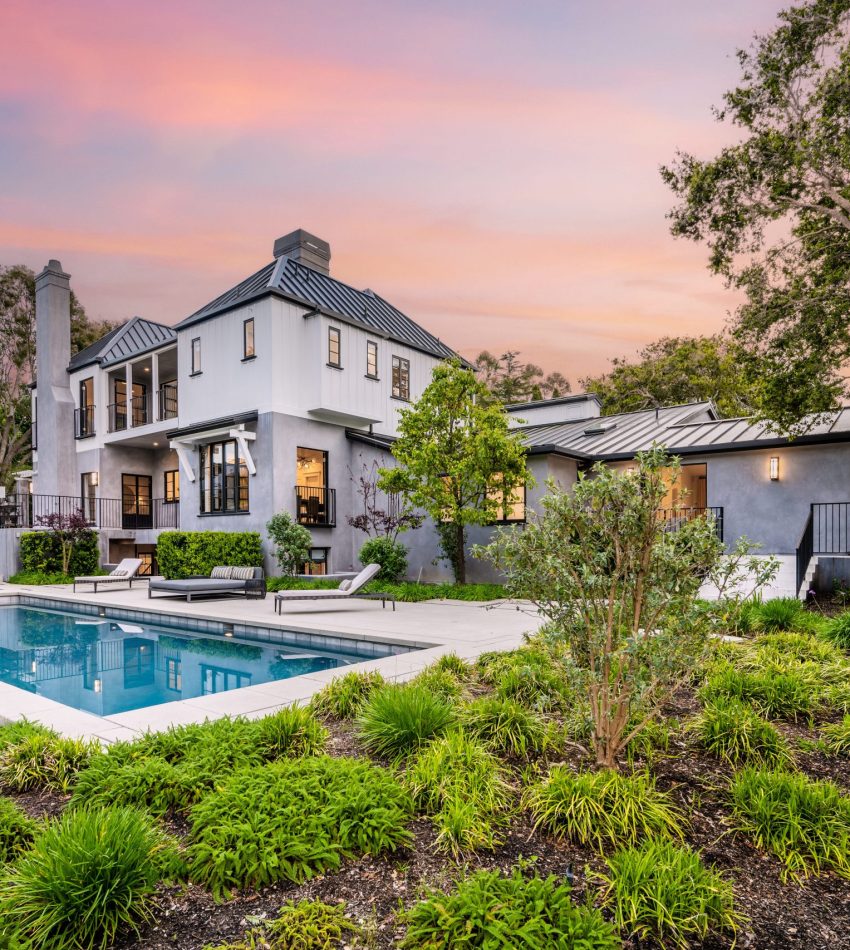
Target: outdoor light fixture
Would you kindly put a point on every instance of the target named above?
(774, 468)
(34, 666)
(95, 478)
(98, 685)
(228, 630)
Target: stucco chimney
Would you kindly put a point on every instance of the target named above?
(305, 248)
(57, 468)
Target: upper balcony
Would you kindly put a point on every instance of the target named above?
(143, 399)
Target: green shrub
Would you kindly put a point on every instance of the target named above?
(836, 737)
(291, 542)
(292, 819)
(487, 910)
(41, 761)
(735, 732)
(344, 696)
(13, 732)
(602, 808)
(182, 553)
(663, 892)
(291, 732)
(505, 726)
(535, 678)
(38, 578)
(41, 553)
(87, 875)
(17, 830)
(443, 683)
(398, 719)
(837, 631)
(778, 692)
(787, 646)
(391, 555)
(457, 781)
(782, 613)
(806, 824)
(406, 591)
(306, 925)
(452, 663)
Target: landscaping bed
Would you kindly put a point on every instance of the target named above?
(476, 769)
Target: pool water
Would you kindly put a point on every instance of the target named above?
(106, 666)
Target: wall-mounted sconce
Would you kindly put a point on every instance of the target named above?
(774, 468)
(95, 478)
(34, 666)
(98, 685)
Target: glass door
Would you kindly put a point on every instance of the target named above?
(136, 493)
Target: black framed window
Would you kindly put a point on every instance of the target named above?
(224, 478)
(334, 347)
(372, 359)
(171, 486)
(196, 356)
(174, 674)
(248, 350)
(88, 495)
(401, 378)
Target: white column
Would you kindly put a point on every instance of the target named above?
(155, 387)
(128, 380)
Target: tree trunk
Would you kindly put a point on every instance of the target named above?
(460, 554)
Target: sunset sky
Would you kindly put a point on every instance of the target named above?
(491, 168)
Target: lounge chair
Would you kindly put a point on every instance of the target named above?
(347, 590)
(250, 581)
(124, 574)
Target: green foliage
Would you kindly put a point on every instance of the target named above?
(44, 760)
(509, 380)
(618, 587)
(344, 696)
(291, 542)
(837, 631)
(305, 925)
(41, 553)
(505, 726)
(185, 553)
(208, 647)
(399, 719)
(176, 768)
(781, 613)
(457, 781)
(407, 592)
(292, 819)
(17, 830)
(442, 682)
(777, 692)
(663, 892)
(39, 578)
(836, 738)
(539, 679)
(452, 663)
(800, 647)
(487, 910)
(391, 555)
(602, 808)
(733, 731)
(806, 824)
(13, 732)
(87, 875)
(455, 456)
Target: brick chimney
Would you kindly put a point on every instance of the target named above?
(305, 248)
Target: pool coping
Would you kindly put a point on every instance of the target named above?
(248, 701)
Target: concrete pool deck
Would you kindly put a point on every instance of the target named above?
(432, 627)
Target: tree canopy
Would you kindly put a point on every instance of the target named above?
(676, 370)
(510, 380)
(774, 208)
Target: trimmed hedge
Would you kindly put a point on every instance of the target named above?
(41, 553)
(183, 553)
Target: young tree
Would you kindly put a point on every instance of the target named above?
(382, 515)
(612, 578)
(774, 208)
(675, 370)
(292, 542)
(456, 458)
(69, 529)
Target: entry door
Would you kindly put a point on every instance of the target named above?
(136, 493)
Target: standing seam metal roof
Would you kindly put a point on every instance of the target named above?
(135, 336)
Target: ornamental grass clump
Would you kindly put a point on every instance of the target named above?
(344, 696)
(837, 631)
(488, 910)
(788, 646)
(805, 823)
(462, 786)
(835, 738)
(88, 875)
(737, 734)
(13, 732)
(777, 692)
(17, 830)
(507, 727)
(293, 819)
(305, 925)
(531, 676)
(43, 760)
(663, 893)
(603, 808)
(400, 719)
(781, 613)
(443, 683)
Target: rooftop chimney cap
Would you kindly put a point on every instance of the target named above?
(305, 248)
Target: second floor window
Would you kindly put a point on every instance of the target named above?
(248, 351)
(334, 347)
(224, 478)
(401, 378)
(372, 359)
(171, 487)
(196, 356)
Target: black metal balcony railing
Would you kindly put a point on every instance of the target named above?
(84, 422)
(117, 421)
(140, 410)
(826, 531)
(315, 506)
(26, 511)
(674, 517)
(167, 401)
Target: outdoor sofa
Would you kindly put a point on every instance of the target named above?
(249, 581)
(347, 590)
(124, 573)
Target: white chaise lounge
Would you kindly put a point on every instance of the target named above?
(347, 590)
(124, 574)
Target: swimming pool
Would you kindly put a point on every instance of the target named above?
(106, 665)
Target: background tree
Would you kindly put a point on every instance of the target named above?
(456, 458)
(510, 380)
(620, 587)
(676, 370)
(17, 360)
(774, 208)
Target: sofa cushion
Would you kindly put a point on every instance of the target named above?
(222, 573)
(242, 573)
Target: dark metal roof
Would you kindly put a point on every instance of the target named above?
(319, 292)
(367, 438)
(683, 430)
(558, 400)
(222, 422)
(132, 338)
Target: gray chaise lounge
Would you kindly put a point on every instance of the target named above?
(250, 581)
(346, 591)
(125, 573)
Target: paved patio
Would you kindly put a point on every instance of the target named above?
(435, 627)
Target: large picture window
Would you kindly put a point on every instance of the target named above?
(224, 478)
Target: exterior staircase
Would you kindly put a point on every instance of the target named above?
(826, 533)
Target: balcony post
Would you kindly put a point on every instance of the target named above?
(128, 385)
(153, 395)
